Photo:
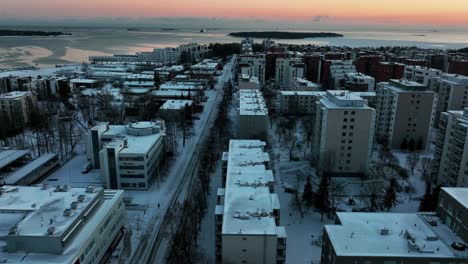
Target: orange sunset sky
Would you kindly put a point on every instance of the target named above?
(433, 12)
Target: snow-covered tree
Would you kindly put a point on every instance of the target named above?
(390, 198)
(307, 195)
(412, 161)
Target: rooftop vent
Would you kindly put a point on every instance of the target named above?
(51, 230)
(67, 212)
(13, 231)
(384, 231)
(45, 186)
(90, 189)
(81, 198)
(74, 205)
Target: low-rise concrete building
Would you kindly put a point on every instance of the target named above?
(129, 156)
(59, 224)
(175, 110)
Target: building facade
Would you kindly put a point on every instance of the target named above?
(344, 128)
(253, 115)
(452, 93)
(16, 107)
(405, 112)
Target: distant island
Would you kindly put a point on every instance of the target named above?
(27, 33)
(464, 50)
(284, 35)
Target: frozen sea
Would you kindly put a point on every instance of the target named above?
(84, 42)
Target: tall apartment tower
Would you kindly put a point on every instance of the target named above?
(247, 213)
(452, 93)
(451, 151)
(287, 70)
(405, 111)
(343, 134)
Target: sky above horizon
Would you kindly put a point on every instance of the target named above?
(431, 13)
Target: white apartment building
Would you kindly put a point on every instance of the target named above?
(452, 93)
(253, 115)
(60, 224)
(298, 102)
(405, 113)
(248, 82)
(167, 55)
(15, 108)
(419, 74)
(344, 129)
(451, 151)
(287, 71)
(196, 51)
(358, 82)
(247, 214)
(253, 65)
(338, 71)
(247, 46)
(301, 84)
(128, 156)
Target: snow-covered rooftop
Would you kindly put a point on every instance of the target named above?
(343, 99)
(251, 102)
(43, 208)
(176, 104)
(385, 234)
(459, 194)
(10, 155)
(81, 80)
(303, 93)
(179, 86)
(248, 202)
(16, 176)
(14, 95)
(140, 136)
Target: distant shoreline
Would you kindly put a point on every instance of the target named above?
(284, 35)
(29, 33)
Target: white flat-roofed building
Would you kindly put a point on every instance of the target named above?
(301, 84)
(140, 77)
(174, 110)
(390, 238)
(253, 65)
(248, 212)
(167, 55)
(287, 70)
(344, 130)
(451, 150)
(59, 224)
(248, 82)
(298, 102)
(138, 84)
(338, 71)
(358, 82)
(253, 115)
(405, 113)
(128, 156)
(419, 74)
(452, 93)
(172, 94)
(16, 107)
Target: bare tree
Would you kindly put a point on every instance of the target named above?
(412, 161)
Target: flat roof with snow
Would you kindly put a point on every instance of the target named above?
(248, 202)
(43, 208)
(251, 102)
(14, 95)
(176, 104)
(365, 234)
(18, 175)
(11, 155)
(459, 194)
